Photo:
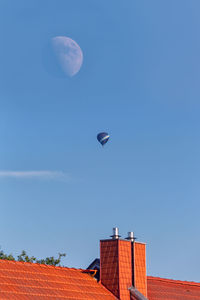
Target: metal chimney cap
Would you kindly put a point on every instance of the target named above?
(131, 236)
(115, 235)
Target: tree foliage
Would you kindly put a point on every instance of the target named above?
(25, 258)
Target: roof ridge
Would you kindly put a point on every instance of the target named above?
(175, 281)
(39, 265)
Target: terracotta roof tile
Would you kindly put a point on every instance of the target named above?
(140, 267)
(160, 288)
(116, 268)
(28, 281)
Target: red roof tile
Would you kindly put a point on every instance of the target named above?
(116, 268)
(140, 278)
(109, 265)
(125, 269)
(160, 288)
(23, 281)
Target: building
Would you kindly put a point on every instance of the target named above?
(121, 271)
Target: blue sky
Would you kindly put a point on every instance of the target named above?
(140, 82)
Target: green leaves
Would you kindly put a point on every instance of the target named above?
(51, 260)
(5, 256)
(25, 258)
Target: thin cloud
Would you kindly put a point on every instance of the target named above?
(51, 175)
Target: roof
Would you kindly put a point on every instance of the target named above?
(23, 281)
(160, 288)
(30, 281)
(95, 265)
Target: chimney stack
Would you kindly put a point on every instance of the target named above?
(123, 265)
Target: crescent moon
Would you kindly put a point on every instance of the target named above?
(68, 53)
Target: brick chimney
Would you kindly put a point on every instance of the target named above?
(123, 265)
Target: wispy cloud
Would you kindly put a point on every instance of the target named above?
(57, 175)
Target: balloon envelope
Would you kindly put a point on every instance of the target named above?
(103, 137)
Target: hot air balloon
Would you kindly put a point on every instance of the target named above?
(103, 137)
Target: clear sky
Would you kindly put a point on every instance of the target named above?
(60, 191)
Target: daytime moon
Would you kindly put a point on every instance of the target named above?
(68, 53)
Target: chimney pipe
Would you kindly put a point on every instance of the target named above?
(115, 235)
(131, 236)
